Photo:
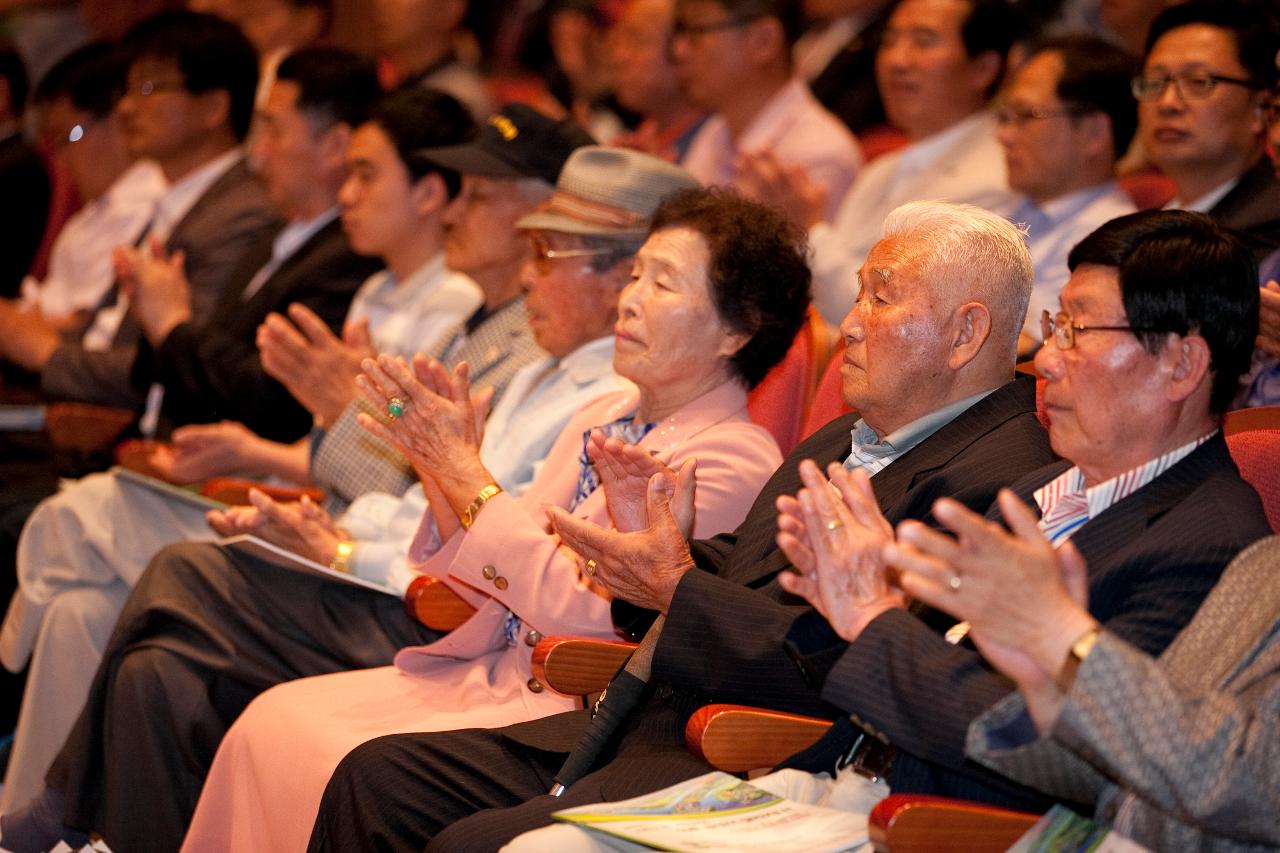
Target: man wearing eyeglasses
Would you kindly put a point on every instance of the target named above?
(1208, 66)
(1154, 328)
(1063, 120)
(733, 58)
(1141, 360)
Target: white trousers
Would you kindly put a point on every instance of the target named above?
(80, 553)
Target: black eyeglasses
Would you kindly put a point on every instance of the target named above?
(1194, 86)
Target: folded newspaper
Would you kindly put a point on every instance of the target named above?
(723, 813)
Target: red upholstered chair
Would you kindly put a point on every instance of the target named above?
(880, 139)
(828, 400)
(780, 401)
(1257, 455)
(1149, 188)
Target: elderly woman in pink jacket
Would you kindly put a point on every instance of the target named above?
(717, 292)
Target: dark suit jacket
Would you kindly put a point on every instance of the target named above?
(847, 86)
(212, 371)
(232, 216)
(24, 213)
(1153, 557)
(1252, 209)
(724, 631)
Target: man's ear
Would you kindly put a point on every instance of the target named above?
(984, 70)
(765, 39)
(1188, 361)
(333, 144)
(972, 327)
(215, 109)
(1097, 134)
(429, 194)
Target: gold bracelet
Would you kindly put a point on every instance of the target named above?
(470, 513)
(342, 557)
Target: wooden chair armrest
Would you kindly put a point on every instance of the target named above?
(135, 454)
(83, 427)
(914, 823)
(235, 490)
(435, 605)
(739, 738)
(577, 667)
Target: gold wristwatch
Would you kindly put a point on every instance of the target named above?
(341, 561)
(1079, 651)
(486, 494)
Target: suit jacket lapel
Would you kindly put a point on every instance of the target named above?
(1129, 518)
(1009, 401)
(891, 484)
(756, 553)
(196, 217)
(319, 249)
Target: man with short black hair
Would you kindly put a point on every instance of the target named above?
(1208, 68)
(734, 60)
(76, 102)
(1063, 121)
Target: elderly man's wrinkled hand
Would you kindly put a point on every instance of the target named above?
(1013, 587)
(840, 557)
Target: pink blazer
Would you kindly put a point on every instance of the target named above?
(511, 545)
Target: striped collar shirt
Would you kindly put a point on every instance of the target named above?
(1065, 504)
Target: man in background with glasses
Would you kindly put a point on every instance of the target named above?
(1208, 68)
(733, 58)
(1063, 121)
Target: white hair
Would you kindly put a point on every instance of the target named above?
(970, 254)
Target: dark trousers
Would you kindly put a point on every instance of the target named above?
(204, 632)
(474, 789)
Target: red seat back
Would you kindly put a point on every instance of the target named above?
(1257, 455)
(778, 402)
(1149, 189)
(828, 401)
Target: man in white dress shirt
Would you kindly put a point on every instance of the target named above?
(938, 64)
(76, 101)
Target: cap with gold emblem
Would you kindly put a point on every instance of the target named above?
(515, 142)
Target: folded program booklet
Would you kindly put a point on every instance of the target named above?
(278, 556)
(721, 812)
